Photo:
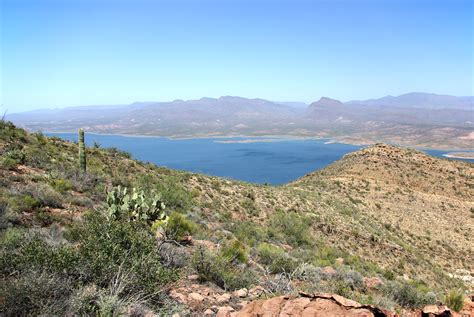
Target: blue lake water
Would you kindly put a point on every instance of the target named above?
(276, 162)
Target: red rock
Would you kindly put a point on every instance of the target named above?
(339, 261)
(193, 277)
(195, 297)
(241, 292)
(225, 311)
(313, 305)
(224, 298)
(329, 270)
(178, 296)
(372, 282)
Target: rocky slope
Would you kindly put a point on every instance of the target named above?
(384, 225)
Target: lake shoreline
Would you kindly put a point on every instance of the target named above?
(345, 140)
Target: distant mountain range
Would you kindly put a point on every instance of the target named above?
(414, 119)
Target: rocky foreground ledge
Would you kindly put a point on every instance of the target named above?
(319, 305)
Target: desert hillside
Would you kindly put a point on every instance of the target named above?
(383, 226)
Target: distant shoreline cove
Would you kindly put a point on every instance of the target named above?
(259, 138)
(275, 138)
(460, 155)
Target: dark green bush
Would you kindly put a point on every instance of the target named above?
(104, 246)
(178, 226)
(277, 260)
(407, 295)
(291, 227)
(173, 193)
(234, 250)
(61, 185)
(219, 270)
(454, 300)
(8, 163)
(97, 250)
(34, 293)
(249, 232)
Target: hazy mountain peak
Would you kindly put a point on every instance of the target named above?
(327, 102)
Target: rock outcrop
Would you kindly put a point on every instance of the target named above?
(310, 305)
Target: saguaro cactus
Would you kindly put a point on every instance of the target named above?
(82, 151)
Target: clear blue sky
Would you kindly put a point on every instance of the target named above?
(72, 52)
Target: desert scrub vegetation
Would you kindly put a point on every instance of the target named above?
(225, 267)
(104, 261)
(275, 259)
(91, 253)
(454, 299)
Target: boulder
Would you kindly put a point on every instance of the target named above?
(339, 261)
(195, 297)
(193, 277)
(178, 296)
(437, 311)
(311, 305)
(224, 298)
(329, 270)
(241, 293)
(224, 311)
(372, 282)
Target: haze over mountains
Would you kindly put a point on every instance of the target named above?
(414, 119)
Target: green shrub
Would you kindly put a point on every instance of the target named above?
(17, 155)
(47, 196)
(249, 232)
(277, 260)
(8, 163)
(292, 228)
(26, 203)
(454, 300)
(178, 226)
(61, 185)
(219, 270)
(407, 295)
(234, 250)
(249, 206)
(174, 194)
(97, 249)
(117, 152)
(34, 293)
(105, 245)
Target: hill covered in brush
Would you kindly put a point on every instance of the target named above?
(384, 225)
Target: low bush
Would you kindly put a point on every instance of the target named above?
(406, 295)
(277, 260)
(8, 163)
(291, 228)
(175, 196)
(34, 293)
(95, 250)
(45, 195)
(249, 232)
(61, 185)
(218, 269)
(105, 245)
(178, 226)
(454, 300)
(234, 250)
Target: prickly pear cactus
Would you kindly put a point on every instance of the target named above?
(135, 205)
